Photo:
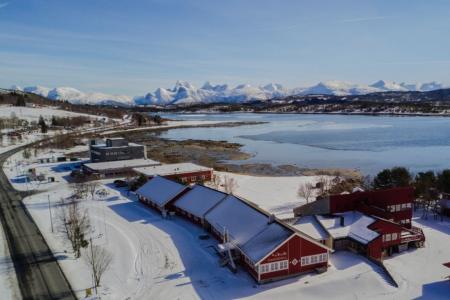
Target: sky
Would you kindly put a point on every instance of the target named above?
(133, 47)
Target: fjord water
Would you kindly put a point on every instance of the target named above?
(367, 143)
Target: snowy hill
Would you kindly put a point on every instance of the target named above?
(184, 93)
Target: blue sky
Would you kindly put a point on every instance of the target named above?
(132, 47)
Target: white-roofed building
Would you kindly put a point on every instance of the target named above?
(352, 224)
(310, 226)
(160, 192)
(183, 172)
(117, 167)
(268, 248)
(197, 202)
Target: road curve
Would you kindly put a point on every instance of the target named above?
(38, 273)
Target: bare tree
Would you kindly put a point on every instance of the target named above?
(217, 181)
(92, 187)
(229, 184)
(79, 190)
(74, 223)
(305, 190)
(324, 185)
(98, 259)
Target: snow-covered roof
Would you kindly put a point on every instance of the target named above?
(310, 226)
(247, 226)
(160, 190)
(266, 241)
(199, 200)
(355, 226)
(116, 164)
(170, 169)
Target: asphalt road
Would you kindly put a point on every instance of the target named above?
(39, 274)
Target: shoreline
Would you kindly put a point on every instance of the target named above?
(220, 155)
(374, 114)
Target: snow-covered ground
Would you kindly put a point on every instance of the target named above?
(33, 113)
(156, 258)
(277, 195)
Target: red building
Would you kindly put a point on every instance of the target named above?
(373, 223)
(182, 172)
(268, 248)
(391, 204)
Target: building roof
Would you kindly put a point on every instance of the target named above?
(171, 169)
(247, 227)
(103, 145)
(118, 164)
(355, 226)
(310, 226)
(266, 241)
(160, 190)
(199, 200)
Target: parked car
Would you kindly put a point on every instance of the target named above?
(120, 183)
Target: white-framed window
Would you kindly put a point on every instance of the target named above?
(403, 206)
(394, 236)
(397, 207)
(407, 221)
(193, 178)
(273, 267)
(314, 259)
(409, 205)
(284, 265)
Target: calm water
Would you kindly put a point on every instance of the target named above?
(367, 143)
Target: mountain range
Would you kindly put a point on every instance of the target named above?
(184, 93)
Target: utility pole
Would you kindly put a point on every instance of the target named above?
(50, 211)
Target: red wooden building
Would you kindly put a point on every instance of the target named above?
(268, 248)
(249, 236)
(182, 172)
(373, 223)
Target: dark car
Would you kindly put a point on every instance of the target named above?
(120, 183)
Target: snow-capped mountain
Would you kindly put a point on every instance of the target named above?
(184, 93)
(75, 96)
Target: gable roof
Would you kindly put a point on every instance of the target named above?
(310, 226)
(248, 227)
(266, 241)
(160, 190)
(199, 200)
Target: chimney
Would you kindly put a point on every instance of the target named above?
(271, 219)
(341, 219)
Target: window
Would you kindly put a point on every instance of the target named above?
(403, 206)
(408, 205)
(193, 178)
(284, 265)
(314, 259)
(394, 236)
(397, 207)
(388, 237)
(407, 221)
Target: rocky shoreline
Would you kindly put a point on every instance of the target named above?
(220, 155)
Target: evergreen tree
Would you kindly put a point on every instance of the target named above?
(444, 181)
(42, 125)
